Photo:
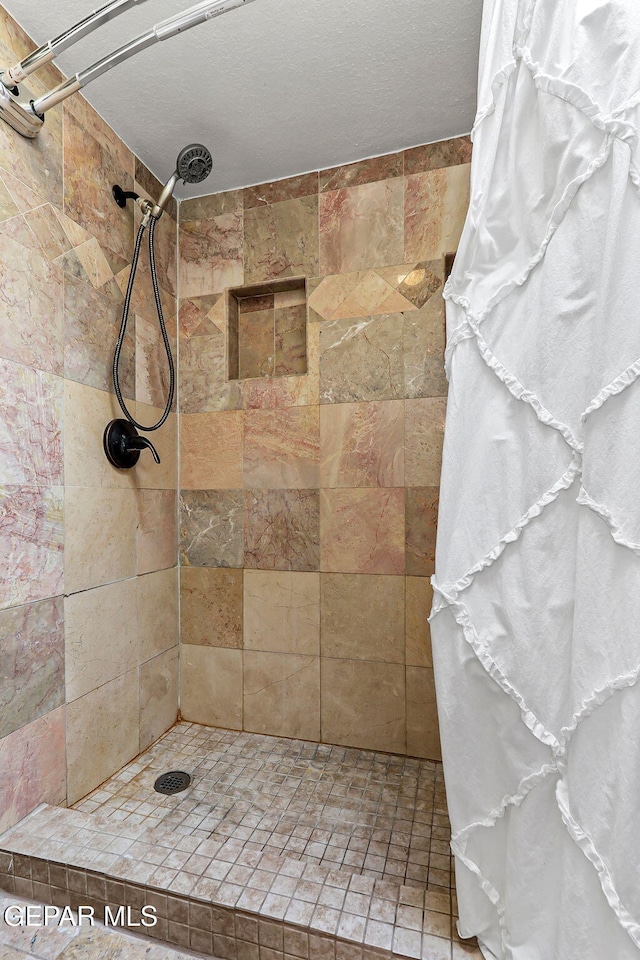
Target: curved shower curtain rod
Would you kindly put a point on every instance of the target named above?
(27, 119)
(50, 50)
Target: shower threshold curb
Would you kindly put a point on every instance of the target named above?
(66, 858)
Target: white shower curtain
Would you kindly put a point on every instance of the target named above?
(536, 620)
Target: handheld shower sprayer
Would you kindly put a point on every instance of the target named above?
(194, 164)
(122, 445)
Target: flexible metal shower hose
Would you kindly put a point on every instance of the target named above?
(163, 329)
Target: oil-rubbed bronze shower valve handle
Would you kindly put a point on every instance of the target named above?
(141, 443)
(123, 445)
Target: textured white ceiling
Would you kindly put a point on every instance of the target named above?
(279, 87)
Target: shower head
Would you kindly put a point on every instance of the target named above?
(194, 164)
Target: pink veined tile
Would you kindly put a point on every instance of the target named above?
(362, 531)
(435, 206)
(361, 227)
(211, 254)
(31, 543)
(32, 760)
(282, 448)
(281, 529)
(30, 426)
(361, 444)
(30, 301)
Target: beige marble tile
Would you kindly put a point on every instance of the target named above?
(87, 262)
(211, 528)
(423, 350)
(361, 531)
(211, 606)
(149, 474)
(203, 375)
(102, 734)
(32, 760)
(8, 206)
(290, 298)
(424, 433)
(419, 594)
(211, 686)
(144, 306)
(435, 207)
(199, 315)
(211, 450)
(256, 344)
(363, 704)
(76, 234)
(94, 124)
(31, 663)
(91, 326)
(423, 281)
(157, 609)
(91, 159)
(100, 537)
(282, 448)
(361, 227)
(158, 696)
(157, 530)
(363, 617)
(99, 645)
(302, 186)
(151, 364)
(87, 412)
(421, 516)
(282, 611)
(23, 196)
(290, 339)
(46, 225)
(282, 694)
(281, 240)
(423, 737)
(362, 359)
(212, 205)
(361, 444)
(328, 293)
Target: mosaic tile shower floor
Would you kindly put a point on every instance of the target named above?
(374, 814)
(279, 850)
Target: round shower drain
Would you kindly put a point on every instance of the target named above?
(172, 782)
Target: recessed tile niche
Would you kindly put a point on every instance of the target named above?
(267, 325)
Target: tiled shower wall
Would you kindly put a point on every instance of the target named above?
(308, 503)
(88, 583)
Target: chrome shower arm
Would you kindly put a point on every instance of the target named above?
(162, 31)
(50, 50)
